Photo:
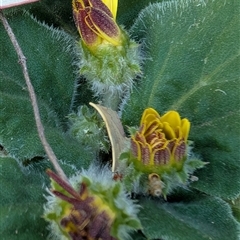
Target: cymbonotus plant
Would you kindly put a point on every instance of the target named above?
(119, 120)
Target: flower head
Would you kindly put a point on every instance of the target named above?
(90, 208)
(95, 21)
(160, 157)
(161, 141)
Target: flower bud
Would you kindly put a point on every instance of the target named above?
(87, 127)
(160, 157)
(91, 206)
(95, 22)
(108, 59)
(155, 185)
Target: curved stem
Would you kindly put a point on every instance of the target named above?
(22, 60)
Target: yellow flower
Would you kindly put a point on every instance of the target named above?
(159, 150)
(95, 21)
(161, 141)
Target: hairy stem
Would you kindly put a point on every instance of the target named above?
(22, 60)
(111, 100)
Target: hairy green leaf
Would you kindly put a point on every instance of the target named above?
(192, 66)
(55, 12)
(50, 67)
(49, 54)
(197, 217)
(19, 134)
(21, 203)
(129, 10)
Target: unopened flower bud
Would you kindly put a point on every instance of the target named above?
(108, 59)
(92, 206)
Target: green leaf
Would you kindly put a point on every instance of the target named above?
(129, 10)
(19, 134)
(50, 67)
(192, 66)
(55, 12)
(197, 217)
(49, 54)
(21, 203)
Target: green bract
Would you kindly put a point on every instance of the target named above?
(115, 68)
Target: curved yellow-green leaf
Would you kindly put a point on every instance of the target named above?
(115, 132)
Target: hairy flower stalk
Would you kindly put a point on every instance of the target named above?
(160, 149)
(110, 60)
(92, 207)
